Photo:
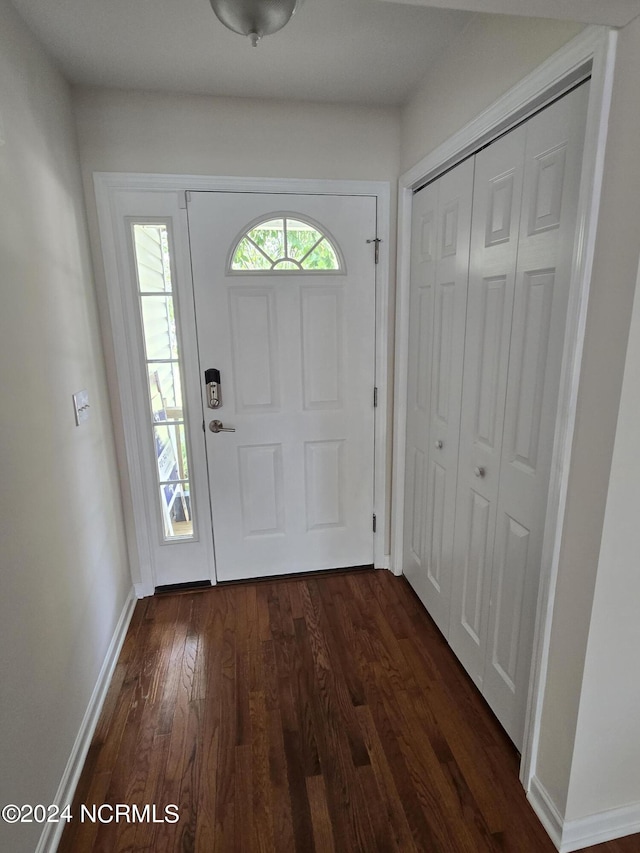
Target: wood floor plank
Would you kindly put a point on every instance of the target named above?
(418, 820)
(314, 714)
(300, 809)
(389, 797)
(294, 588)
(243, 799)
(469, 758)
(302, 691)
(322, 830)
(334, 734)
(262, 813)
(338, 635)
(207, 785)
(436, 796)
(225, 766)
(330, 659)
(279, 785)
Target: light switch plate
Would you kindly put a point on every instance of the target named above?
(81, 406)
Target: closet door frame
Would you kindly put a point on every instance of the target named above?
(590, 55)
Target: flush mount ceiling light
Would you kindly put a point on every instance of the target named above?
(254, 18)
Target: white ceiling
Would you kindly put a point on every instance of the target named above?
(349, 51)
(345, 51)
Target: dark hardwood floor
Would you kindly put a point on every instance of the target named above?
(322, 713)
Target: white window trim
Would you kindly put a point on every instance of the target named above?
(592, 53)
(112, 189)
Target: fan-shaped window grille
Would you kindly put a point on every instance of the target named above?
(285, 244)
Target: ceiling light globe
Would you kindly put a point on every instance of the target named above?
(254, 18)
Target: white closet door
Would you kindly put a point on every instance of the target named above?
(553, 162)
(441, 222)
(423, 272)
(494, 242)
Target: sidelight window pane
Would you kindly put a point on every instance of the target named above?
(167, 424)
(166, 391)
(159, 325)
(171, 453)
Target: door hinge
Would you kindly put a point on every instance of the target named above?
(376, 241)
(374, 522)
(375, 397)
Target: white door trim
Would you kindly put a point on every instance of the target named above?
(592, 53)
(110, 187)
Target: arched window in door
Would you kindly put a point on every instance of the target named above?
(285, 243)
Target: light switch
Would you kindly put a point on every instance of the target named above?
(81, 406)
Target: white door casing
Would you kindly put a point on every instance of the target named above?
(154, 561)
(121, 199)
(292, 487)
(423, 269)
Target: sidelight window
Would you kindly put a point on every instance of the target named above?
(163, 372)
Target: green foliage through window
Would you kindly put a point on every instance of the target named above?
(284, 245)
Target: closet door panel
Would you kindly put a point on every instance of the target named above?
(452, 272)
(553, 159)
(440, 275)
(494, 240)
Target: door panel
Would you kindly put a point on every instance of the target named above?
(439, 274)
(322, 310)
(553, 161)
(292, 487)
(255, 362)
(477, 547)
(261, 489)
(494, 241)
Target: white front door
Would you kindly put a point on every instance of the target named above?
(284, 290)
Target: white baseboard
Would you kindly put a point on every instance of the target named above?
(52, 832)
(383, 562)
(572, 835)
(547, 811)
(601, 827)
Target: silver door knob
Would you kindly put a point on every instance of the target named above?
(438, 445)
(217, 426)
(479, 472)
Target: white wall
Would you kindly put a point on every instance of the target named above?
(122, 131)
(606, 765)
(491, 55)
(605, 771)
(610, 303)
(584, 691)
(63, 574)
(192, 134)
